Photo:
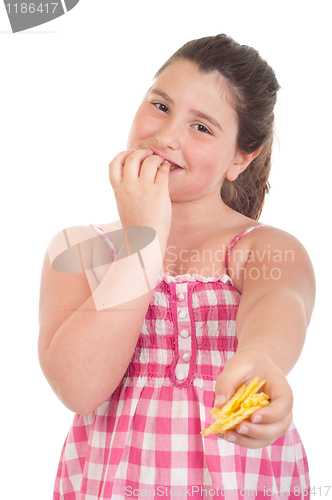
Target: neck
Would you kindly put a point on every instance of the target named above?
(195, 217)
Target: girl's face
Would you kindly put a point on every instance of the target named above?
(187, 116)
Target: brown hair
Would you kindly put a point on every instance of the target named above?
(254, 88)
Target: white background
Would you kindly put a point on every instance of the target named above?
(69, 90)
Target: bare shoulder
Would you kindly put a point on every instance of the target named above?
(281, 249)
(84, 237)
(101, 257)
(268, 238)
(278, 262)
(68, 276)
(65, 284)
(271, 257)
(67, 246)
(115, 234)
(272, 239)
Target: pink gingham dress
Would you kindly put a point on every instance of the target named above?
(145, 441)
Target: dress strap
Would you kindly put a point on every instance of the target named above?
(102, 233)
(237, 238)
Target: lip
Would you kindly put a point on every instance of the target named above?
(172, 172)
(162, 155)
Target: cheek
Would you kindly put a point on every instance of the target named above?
(212, 161)
(198, 153)
(142, 125)
(206, 158)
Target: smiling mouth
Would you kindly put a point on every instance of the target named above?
(166, 159)
(172, 167)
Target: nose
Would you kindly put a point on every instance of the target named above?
(168, 135)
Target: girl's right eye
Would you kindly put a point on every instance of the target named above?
(161, 106)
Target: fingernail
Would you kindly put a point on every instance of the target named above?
(244, 430)
(220, 400)
(231, 438)
(257, 419)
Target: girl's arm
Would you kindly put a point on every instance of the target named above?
(85, 341)
(275, 309)
(277, 299)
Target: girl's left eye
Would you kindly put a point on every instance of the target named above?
(202, 128)
(161, 106)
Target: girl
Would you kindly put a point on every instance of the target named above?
(181, 318)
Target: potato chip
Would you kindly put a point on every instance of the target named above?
(244, 403)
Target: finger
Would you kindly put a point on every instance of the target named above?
(281, 396)
(263, 431)
(162, 176)
(246, 442)
(275, 411)
(132, 164)
(227, 384)
(258, 435)
(115, 168)
(153, 165)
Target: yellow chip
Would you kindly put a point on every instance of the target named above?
(244, 403)
(228, 407)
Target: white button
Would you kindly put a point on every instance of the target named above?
(180, 376)
(182, 314)
(186, 357)
(184, 334)
(181, 296)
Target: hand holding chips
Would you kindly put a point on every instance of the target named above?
(244, 403)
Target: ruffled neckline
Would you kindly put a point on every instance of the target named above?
(181, 278)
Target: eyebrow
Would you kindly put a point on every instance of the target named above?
(195, 112)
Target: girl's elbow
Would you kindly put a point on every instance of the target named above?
(80, 400)
(82, 405)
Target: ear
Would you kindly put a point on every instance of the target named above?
(240, 163)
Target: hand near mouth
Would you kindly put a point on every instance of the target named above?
(139, 179)
(166, 158)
